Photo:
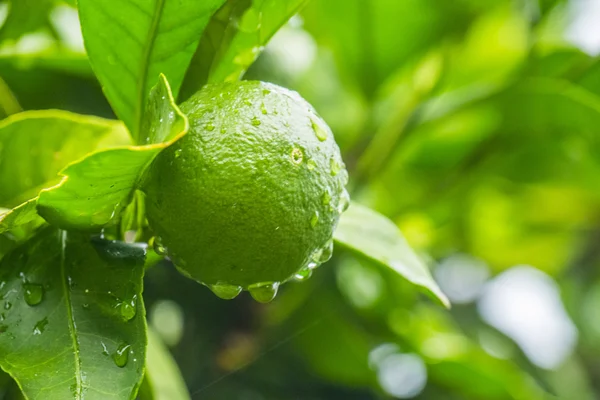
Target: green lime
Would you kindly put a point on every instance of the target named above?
(250, 197)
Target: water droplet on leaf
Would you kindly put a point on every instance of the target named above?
(158, 247)
(264, 292)
(7, 305)
(33, 293)
(121, 355)
(40, 326)
(225, 291)
(129, 308)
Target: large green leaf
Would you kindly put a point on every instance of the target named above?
(371, 235)
(130, 42)
(163, 380)
(36, 145)
(234, 39)
(73, 323)
(95, 190)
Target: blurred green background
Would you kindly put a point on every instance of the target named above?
(475, 126)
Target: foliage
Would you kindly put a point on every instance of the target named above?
(469, 132)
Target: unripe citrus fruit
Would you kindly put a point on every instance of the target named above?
(250, 197)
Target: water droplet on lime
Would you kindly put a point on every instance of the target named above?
(314, 219)
(255, 121)
(225, 291)
(335, 166)
(344, 201)
(33, 293)
(264, 292)
(326, 198)
(311, 164)
(303, 275)
(326, 252)
(209, 127)
(263, 109)
(320, 132)
(121, 355)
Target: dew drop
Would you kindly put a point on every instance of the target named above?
(104, 349)
(314, 219)
(225, 291)
(7, 305)
(223, 130)
(344, 201)
(2, 317)
(266, 92)
(209, 127)
(263, 109)
(255, 121)
(33, 293)
(297, 156)
(335, 166)
(312, 265)
(159, 248)
(85, 306)
(40, 326)
(320, 132)
(129, 308)
(326, 198)
(311, 164)
(304, 274)
(247, 102)
(178, 153)
(264, 292)
(121, 355)
(326, 252)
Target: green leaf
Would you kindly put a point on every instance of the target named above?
(23, 214)
(234, 39)
(26, 16)
(8, 103)
(163, 380)
(73, 324)
(95, 190)
(36, 145)
(131, 42)
(373, 236)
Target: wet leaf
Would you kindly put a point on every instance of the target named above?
(63, 310)
(95, 190)
(371, 235)
(130, 43)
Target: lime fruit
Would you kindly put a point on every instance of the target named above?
(250, 197)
